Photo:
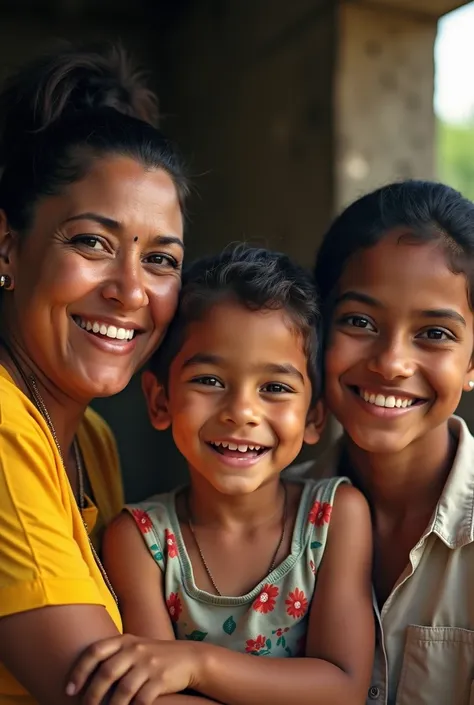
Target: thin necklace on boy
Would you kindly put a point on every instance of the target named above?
(31, 385)
(203, 560)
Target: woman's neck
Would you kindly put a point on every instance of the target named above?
(401, 484)
(65, 413)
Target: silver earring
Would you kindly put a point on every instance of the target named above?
(471, 384)
(5, 281)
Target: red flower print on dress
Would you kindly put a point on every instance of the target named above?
(174, 606)
(170, 541)
(320, 513)
(297, 604)
(265, 602)
(313, 567)
(143, 520)
(252, 645)
(280, 632)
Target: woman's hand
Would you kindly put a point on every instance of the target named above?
(132, 669)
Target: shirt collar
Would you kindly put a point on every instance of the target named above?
(453, 518)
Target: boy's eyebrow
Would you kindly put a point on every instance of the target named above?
(284, 368)
(427, 313)
(202, 359)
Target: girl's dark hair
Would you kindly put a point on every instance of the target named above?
(67, 108)
(256, 278)
(421, 210)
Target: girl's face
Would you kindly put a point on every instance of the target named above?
(400, 346)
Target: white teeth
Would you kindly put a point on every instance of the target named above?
(234, 446)
(109, 331)
(389, 402)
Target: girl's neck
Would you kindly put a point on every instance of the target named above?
(404, 483)
(227, 512)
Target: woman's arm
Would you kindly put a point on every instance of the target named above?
(339, 651)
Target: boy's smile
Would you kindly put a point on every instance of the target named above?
(239, 396)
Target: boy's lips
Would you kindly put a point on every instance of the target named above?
(238, 453)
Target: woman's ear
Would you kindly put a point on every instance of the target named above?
(157, 401)
(7, 251)
(315, 422)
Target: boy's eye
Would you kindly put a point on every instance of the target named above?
(208, 381)
(276, 388)
(436, 334)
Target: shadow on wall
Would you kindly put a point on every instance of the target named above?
(150, 461)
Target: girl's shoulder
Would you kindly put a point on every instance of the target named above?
(158, 522)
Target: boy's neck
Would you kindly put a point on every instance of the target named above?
(211, 508)
(408, 482)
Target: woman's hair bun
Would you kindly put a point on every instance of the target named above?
(69, 81)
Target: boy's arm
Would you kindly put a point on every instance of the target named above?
(340, 642)
(136, 579)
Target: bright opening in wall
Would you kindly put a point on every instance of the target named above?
(454, 99)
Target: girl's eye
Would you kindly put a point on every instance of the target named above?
(162, 260)
(276, 388)
(359, 322)
(91, 241)
(436, 334)
(208, 381)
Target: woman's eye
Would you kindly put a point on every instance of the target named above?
(207, 381)
(436, 334)
(276, 388)
(162, 260)
(91, 241)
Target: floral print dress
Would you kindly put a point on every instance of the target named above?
(272, 619)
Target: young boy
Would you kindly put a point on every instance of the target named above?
(234, 560)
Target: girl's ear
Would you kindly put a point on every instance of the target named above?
(157, 401)
(315, 422)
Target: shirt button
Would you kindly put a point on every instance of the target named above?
(374, 692)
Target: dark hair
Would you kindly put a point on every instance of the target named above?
(63, 110)
(256, 278)
(425, 210)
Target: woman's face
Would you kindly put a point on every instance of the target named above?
(96, 279)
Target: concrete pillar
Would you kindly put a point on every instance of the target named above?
(383, 98)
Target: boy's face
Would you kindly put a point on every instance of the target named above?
(239, 397)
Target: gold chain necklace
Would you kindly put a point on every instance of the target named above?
(201, 554)
(31, 385)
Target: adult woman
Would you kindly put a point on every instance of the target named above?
(91, 230)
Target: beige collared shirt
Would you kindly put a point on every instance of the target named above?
(425, 632)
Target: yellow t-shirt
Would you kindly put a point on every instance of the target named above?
(45, 557)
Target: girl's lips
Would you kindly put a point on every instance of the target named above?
(384, 411)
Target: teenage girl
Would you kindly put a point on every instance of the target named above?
(395, 274)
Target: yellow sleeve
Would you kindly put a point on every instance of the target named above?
(43, 548)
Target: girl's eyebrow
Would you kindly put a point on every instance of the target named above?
(448, 313)
(357, 296)
(444, 313)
